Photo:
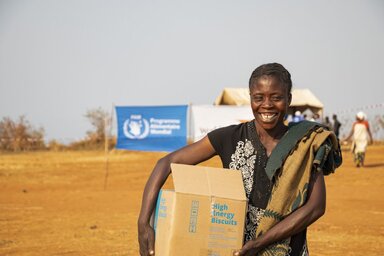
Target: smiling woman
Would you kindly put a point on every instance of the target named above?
(271, 157)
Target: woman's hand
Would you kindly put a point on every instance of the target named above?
(249, 249)
(146, 239)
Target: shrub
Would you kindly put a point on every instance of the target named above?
(20, 135)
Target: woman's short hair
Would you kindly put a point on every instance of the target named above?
(272, 69)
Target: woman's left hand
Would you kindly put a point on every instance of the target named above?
(249, 249)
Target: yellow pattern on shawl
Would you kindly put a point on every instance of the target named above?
(292, 180)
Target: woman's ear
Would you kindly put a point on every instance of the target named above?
(289, 99)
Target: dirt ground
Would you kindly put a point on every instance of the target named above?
(54, 203)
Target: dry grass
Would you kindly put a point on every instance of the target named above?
(54, 203)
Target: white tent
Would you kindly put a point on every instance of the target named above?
(302, 99)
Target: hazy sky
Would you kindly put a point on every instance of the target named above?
(59, 59)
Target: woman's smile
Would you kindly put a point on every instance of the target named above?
(268, 117)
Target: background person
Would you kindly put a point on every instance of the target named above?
(275, 221)
(328, 123)
(336, 125)
(297, 117)
(361, 137)
(316, 118)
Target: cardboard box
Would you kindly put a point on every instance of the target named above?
(204, 215)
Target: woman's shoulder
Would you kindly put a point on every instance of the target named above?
(361, 123)
(305, 125)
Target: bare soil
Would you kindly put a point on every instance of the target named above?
(54, 203)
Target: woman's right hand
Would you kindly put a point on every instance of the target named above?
(146, 239)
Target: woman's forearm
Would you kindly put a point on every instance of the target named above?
(155, 182)
(291, 225)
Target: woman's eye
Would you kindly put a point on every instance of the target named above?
(277, 98)
(257, 98)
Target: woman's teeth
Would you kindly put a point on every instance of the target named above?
(267, 117)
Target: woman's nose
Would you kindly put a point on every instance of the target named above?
(267, 103)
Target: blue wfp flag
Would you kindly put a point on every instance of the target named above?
(152, 128)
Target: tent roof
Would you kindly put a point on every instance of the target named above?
(233, 96)
(304, 97)
(240, 96)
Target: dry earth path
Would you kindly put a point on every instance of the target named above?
(54, 203)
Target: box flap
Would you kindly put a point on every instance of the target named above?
(208, 181)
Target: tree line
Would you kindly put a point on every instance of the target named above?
(20, 135)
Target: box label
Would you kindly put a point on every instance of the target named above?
(193, 217)
(222, 215)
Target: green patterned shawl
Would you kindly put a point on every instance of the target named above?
(306, 147)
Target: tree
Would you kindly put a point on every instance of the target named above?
(100, 120)
(20, 135)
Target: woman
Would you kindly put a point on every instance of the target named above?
(361, 138)
(282, 174)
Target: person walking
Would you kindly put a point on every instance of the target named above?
(271, 158)
(336, 125)
(361, 137)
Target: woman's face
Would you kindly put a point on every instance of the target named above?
(269, 102)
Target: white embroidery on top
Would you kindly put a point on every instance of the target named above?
(244, 160)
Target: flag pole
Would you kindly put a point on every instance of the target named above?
(107, 135)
